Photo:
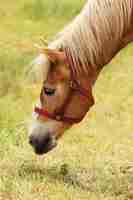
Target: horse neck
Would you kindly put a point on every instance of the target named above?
(96, 34)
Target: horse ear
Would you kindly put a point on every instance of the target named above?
(54, 55)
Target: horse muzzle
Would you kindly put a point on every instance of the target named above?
(42, 145)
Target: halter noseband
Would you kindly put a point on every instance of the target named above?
(74, 87)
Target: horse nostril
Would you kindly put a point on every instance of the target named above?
(47, 139)
(32, 140)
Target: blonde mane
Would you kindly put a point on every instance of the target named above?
(95, 34)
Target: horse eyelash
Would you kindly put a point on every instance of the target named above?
(49, 91)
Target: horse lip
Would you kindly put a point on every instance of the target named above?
(41, 151)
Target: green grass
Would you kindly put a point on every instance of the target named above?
(94, 160)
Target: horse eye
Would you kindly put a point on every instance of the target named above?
(49, 91)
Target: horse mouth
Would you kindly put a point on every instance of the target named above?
(40, 150)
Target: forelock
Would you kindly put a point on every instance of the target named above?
(39, 68)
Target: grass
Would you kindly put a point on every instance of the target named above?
(94, 160)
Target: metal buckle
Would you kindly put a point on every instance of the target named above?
(58, 117)
(73, 85)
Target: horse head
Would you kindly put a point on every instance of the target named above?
(64, 100)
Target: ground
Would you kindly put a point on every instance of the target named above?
(94, 160)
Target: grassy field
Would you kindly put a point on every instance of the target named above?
(94, 160)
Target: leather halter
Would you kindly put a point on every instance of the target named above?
(74, 86)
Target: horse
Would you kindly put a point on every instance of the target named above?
(71, 64)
